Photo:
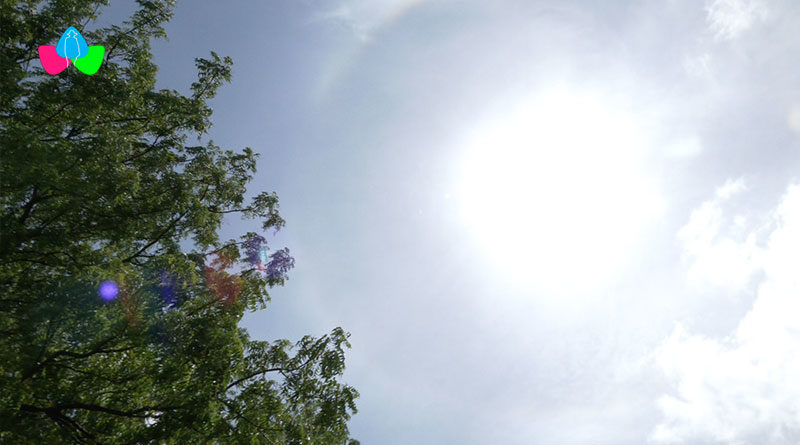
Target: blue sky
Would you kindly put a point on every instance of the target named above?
(568, 222)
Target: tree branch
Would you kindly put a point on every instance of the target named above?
(280, 369)
(136, 413)
(255, 374)
(158, 238)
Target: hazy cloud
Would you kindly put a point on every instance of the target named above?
(794, 118)
(685, 148)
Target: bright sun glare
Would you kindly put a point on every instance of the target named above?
(555, 192)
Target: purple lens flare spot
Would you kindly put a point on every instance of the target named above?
(273, 266)
(254, 248)
(108, 290)
(280, 264)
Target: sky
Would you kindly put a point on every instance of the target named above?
(543, 222)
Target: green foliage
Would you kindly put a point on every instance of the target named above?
(99, 180)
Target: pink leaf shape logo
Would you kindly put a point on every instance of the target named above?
(51, 61)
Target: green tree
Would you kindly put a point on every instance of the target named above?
(100, 181)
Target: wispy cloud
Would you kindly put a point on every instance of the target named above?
(366, 17)
(743, 388)
(344, 15)
(730, 18)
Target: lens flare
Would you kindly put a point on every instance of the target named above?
(108, 290)
(168, 287)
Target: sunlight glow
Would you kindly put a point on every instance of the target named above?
(555, 192)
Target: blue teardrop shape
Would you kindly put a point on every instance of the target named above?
(72, 45)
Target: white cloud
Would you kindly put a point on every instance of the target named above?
(743, 389)
(730, 18)
(710, 243)
(730, 188)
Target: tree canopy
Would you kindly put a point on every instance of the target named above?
(112, 330)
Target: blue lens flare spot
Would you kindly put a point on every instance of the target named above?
(108, 290)
(169, 289)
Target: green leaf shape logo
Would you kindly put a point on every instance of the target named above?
(90, 63)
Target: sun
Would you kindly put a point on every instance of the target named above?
(556, 193)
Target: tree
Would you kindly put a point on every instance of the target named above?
(102, 187)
